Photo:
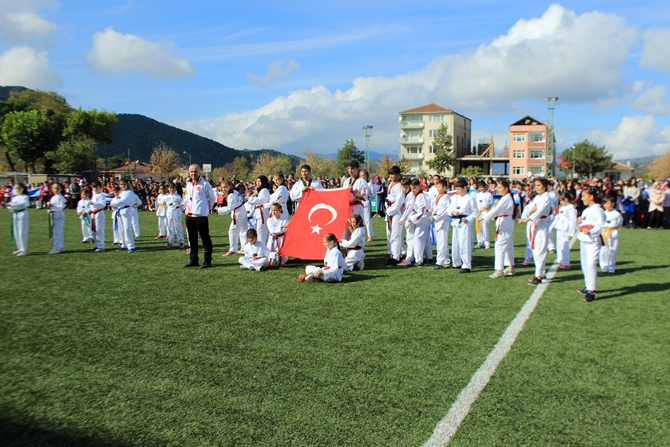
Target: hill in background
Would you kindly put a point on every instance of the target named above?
(7, 90)
(140, 134)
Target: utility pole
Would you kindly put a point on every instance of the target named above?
(368, 131)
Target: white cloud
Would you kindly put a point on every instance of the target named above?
(28, 67)
(654, 101)
(577, 58)
(275, 70)
(656, 51)
(635, 136)
(20, 22)
(118, 53)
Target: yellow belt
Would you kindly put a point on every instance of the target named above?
(607, 234)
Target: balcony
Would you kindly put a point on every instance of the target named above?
(411, 124)
(411, 140)
(412, 155)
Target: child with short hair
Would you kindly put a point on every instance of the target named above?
(355, 245)
(18, 205)
(395, 200)
(565, 223)
(56, 206)
(161, 212)
(83, 210)
(255, 253)
(98, 204)
(613, 221)
(277, 228)
(174, 204)
(463, 211)
(504, 213)
(404, 221)
(333, 263)
(440, 217)
(484, 204)
(590, 236)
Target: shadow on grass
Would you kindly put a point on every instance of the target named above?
(576, 272)
(23, 434)
(638, 288)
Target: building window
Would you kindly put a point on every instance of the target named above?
(432, 149)
(519, 137)
(536, 155)
(519, 154)
(437, 117)
(433, 133)
(414, 149)
(413, 118)
(517, 170)
(536, 170)
(536, 137)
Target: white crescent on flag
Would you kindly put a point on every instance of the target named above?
(321, 206)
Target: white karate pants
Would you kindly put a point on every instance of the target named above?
(409, 239)
(608, 255)
(162, 225)
(126, 229)
(252, 264)
(421, 241)
(484, 235)
(238, 232)
(135, 223)
(461, 245)
(175, 231)
(589, 253)
(504, 248)
(394, 237)
(86, 233)
(20, 222)
(99, 233)
(540, 241)
(442, 245)
(59, 223)
(367, 219)
(562, 247)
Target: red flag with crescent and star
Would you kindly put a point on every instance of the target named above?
(321, 211)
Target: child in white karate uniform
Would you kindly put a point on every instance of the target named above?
(280, 195)
(174, 204)
(238, 217)
(277, 228)
(503, 211)
(440, 217)
(528, 255)
(554, 201)
(18, 205)
(463, 211)
(539, 215)
(590, 237)
(255, 253)
(484, 204)
(98, 203)
(405, 222)
(613, 221)
(333, 263)
(367, 205)
(83, 211)
(420, 218)
(117, 225)
(565, 223)
(161, 212)
(395, 201)
(258, 199)
(56, 206)
(124, 216)
(134, 210)
(355, 245)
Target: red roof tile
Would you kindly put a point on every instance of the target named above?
(428, 109)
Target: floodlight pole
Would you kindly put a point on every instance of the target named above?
(368, 132)
(550, 156)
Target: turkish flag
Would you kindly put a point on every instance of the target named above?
(321, 211)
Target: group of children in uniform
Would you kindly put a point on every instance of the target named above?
(420, 214)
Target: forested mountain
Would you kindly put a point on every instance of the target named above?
(5, 91)
(140, 134)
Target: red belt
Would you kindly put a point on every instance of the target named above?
(355, 203)
(260, 207)
(498, 223)
(93, 213)
(235, 217)
(532, 234)
(352, 249)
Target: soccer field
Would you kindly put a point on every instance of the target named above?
(118, 349)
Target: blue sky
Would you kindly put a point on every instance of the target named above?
(307, 75)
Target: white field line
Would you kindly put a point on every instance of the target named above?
(449, 424)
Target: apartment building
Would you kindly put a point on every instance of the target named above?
(418, 129)
(528, 148)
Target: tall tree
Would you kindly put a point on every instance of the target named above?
(49, 103)
(348, 152)
(588, 158)
(444, 154)
(7, 107)
(267, 164)
(383, 165)
(321, 166)
(164, 161)
(90, 124)
(29, 136)
(241, 168)
(74, 155)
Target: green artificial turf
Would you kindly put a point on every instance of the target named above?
(132, 349)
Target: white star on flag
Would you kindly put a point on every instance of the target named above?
(316, 229)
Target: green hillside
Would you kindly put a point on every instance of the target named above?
(7, 90)
(140, 134)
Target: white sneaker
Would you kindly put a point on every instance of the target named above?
(16, 252)
(361, 265)
(509, 272)
(22, 253)
(53, 252)
(497, 275)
